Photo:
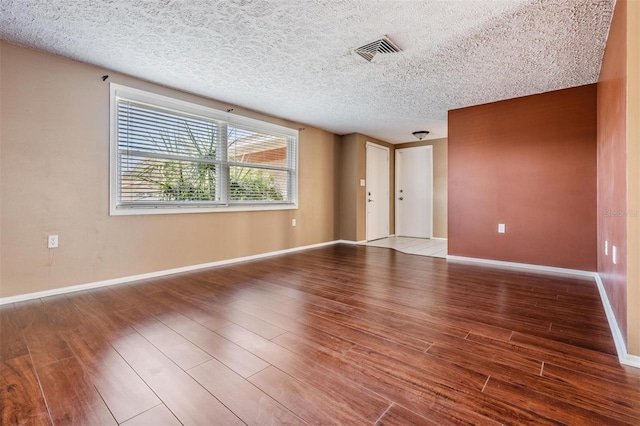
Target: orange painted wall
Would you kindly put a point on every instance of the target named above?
(529, 163)
(612, 170)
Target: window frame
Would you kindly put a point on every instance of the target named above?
(118, 91)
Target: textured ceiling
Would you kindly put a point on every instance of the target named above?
(295, 59)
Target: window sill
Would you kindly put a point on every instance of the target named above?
(136, 211)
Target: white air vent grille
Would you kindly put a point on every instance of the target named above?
(383, 45)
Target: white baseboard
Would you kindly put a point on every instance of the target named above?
(624, 357)
(631, 361)
(514, 265)
(121, 280)
(351, 242)
(618, 339)
(439, 239)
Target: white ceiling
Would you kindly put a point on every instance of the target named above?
(294, 58)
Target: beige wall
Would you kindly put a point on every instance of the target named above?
(633, 177)
(352, 169)
(439, 182)
(348, 187)
(54, 180)
(361, 192)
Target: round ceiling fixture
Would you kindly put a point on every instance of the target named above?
(420, 134)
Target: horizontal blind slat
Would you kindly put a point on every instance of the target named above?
(168, 158)
(151, 130)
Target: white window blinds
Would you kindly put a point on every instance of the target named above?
(170, 158)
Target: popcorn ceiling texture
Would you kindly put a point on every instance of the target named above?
(294, 58)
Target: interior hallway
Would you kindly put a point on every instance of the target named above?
(419, 246)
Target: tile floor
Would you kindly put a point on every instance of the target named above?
(419, 246)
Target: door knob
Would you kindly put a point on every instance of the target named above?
(369, 200)
(401, 198)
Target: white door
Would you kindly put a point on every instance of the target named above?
(377, 191)
(414, 192)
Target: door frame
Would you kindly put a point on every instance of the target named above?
(369, 145)
(395, 189)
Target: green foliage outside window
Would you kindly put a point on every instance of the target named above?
(188, 180)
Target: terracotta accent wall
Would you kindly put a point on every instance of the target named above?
(440, 168)
(54, 179)
(633, 178)
(612, 152)
(529, 163)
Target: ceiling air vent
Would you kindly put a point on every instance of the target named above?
(383, 45)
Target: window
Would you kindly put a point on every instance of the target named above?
(170, 156)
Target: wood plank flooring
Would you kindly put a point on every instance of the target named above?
(338, 335)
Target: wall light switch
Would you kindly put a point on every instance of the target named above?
(614, 255)
(606, 248)
(363, 182)
(502, 228)
(293, 222)
(52, 241)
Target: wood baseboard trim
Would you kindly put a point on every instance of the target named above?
(156, 274)
(621, 349)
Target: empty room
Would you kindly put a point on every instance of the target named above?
(261, 212)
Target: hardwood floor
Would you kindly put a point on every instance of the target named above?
(337, 335)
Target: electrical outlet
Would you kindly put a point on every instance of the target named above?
(293, 222)
(363, 182)
(502, 228)
(52, 241)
